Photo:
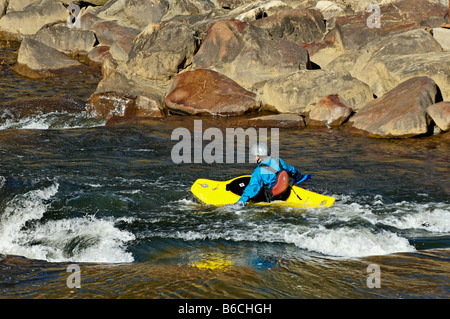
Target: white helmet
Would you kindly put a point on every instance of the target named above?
(259, 150)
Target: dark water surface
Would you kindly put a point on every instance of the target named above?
(111, 200)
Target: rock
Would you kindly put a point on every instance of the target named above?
(111, 104)
(386, 62)
(321, 53)
(186, 8)
(247, 54)
(399, 113)
(284, 120)
(331, 9)
(29, 18)
(163, 50)
(440, 114)
(108, 104)
(65, 39)
(257, 9)
(329, 111)
(300, 91)
(298, 26)
(3, 7)
(353, 31)
(110, 33)
(19, 109)
(36, 60)
(443, 37)
(393, 70)
(120, 96)
(97, 54)
(96, 2)
(233, 4)
(210, 93)
(145, 12)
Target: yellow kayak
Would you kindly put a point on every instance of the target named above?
(219, 193)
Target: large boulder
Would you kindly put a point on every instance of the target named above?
(110, 33)
(298, 26)
(331, 9)
(254, 10)
(206, 92)
(300, 91)
(26, 18)
(162, 50)
(440, 114)
(65, 39)
(399, 113)
(248, 54)
(145, 12)
(117, 95)
(353, 31)
(37, 60)
(386, 62)
(393, 70)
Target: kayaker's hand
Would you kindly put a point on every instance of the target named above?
(301, 178)
(239, 204)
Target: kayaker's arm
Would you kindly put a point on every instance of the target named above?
(253, 187)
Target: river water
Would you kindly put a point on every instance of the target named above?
(109, 201)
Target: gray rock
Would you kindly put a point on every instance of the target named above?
(440, 114)
(65, 39)
(298, 92)
(159, 53)
(36, 59)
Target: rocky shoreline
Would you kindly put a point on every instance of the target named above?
(281, 63)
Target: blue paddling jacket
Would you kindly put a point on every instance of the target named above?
(262, 176)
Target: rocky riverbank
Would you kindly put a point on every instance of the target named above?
(376, 67)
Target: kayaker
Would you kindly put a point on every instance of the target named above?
(271, 177)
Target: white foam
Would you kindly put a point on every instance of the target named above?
(433, 218)
(55, 120)
(342, 242)
(86, 239)
(350, 242)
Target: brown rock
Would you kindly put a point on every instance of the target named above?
(208, 92)
(284, 120)
(352, 31)
(110, 33)
(399, 113)
(248, 54)
(96, 56)
(329, 111)
(111, 104)
(440, 114)
(19, 109)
